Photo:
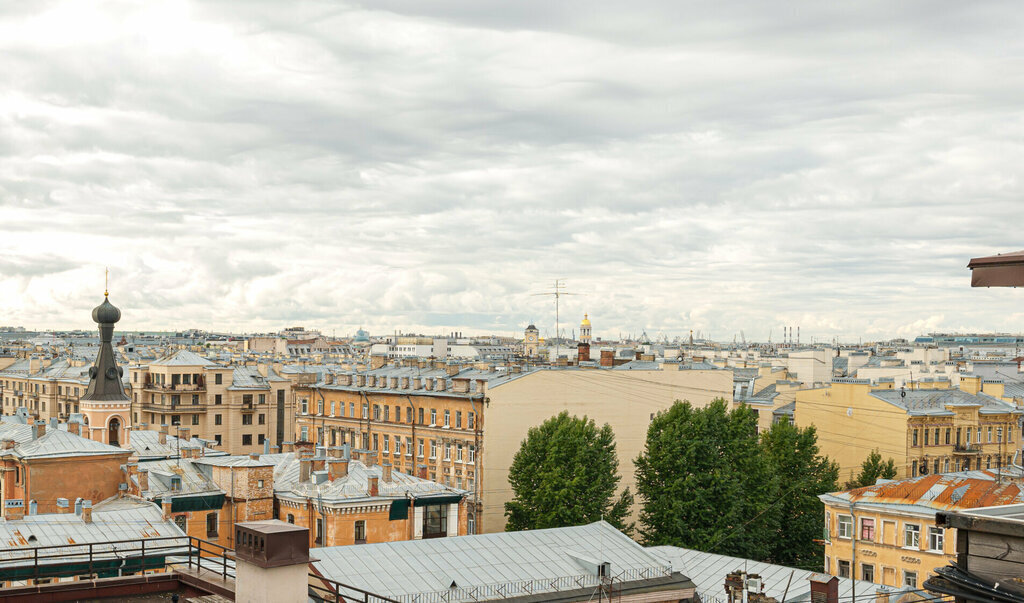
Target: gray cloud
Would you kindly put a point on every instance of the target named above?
(428, 166)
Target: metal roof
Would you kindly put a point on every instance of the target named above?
(193, 480)
(935, 401)
(708, 572)
(146, 444)
(937, 492)
(127, 518)
(490, 566)
(57, 443)
(182, 358)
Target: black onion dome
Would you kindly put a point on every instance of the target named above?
(106, 313)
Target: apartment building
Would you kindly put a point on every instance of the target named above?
(239, 407)
(927, 427)
(47, 387)
(887, 533)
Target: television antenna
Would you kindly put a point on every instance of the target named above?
(557, 291)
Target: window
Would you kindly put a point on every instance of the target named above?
(472, 454)
(435, 521)
(914, 438)
(182, 522)
(408, 446)
(913, 469)
(936, 466)
(947, 436)
(469, 420)
(376, 412)
(458, 452)
(421, 416)
(867, 572)
(447, 451)
(319, 530)
(398, 445)
(218, 378)
(458, 419)
(247, 399)
(366, 410)
(247, 439)
(217, 397)
(263, 399)
(387, 413)
(844, 525)
(419, 448)
(260, 438)
(175, 419)
(989, 434)
(304, 406)
(447, 418)
(246, 419)
(261, 419)
(844, 568)
(217, 419)
(375, 442)
(945, 465)
(471, 525)
(433, 417)
(936, 539)
(936, 439)
(910, 579)
(911, 536)
(386, 440)
(925, 437)
(969, 435)
(259, 483)
(359, 530)
(408, 414)
(217, 437)
(398, 414)
(999, 434)
(290, 518)
(433, 449)
(195, 419)
(211, 525)
(867, 529)
(195, 399)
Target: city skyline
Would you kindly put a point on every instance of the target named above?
(429, 168)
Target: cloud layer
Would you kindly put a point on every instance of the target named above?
(426, 166)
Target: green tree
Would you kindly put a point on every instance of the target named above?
(564, 474)
(704, 482)
(871, 470)
(802, 475)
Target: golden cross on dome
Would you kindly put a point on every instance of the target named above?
(106, 282)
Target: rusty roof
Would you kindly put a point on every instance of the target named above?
(949, 491)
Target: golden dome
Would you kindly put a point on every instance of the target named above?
(586, 321)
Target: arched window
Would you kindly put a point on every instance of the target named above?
(291, 518)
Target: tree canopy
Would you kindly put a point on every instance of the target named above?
(871, 470)
(566, 473)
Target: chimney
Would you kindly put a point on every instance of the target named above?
(266, 446)
(421, 471)
(824, 588)
(336, 452)
(607, 357)
(38, 429)
(287, 446)
(33, 507)
(63, 506)
(371, 486)
(354, 455)
(385, 474)
(360, 380)
(9, 443)
(882, 594)
(275, 449)
(255, 456)
(14, 508)
(166, 503)
(162, 437)
(417, 382)
(185, 433)
(377, 361)
(337, 468)
(583, 352)
(305, 465)
(143, 477)
(328, 379)
(78, 506)
(87, 510)
(318, 463)
(451, 368)
(74, 427)
(127, 436)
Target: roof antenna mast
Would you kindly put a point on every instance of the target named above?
(557, 291)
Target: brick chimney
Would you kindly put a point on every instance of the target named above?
(166, 503)
(63, 506)
(421, 471)
(38, 429)
(337, 468)
(162, 436)
(185, 433)
(287, 446)
(255, 456)
(87, 511)
(14, 508)
(460, 386)
(824, 588)
(143, 477)
(385, 473)
(371, 486)
(74, 427)
(583, 352)
(377, 361)
(607, 357)
(305, 466)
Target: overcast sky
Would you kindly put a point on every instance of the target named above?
(426, 166)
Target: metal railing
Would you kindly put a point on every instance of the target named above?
(325, 590)
(115, 558)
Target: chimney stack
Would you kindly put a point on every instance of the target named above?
(337, 468)
(33, 507)
(9, 443)
(38, 429)
(14, 508)
(63, 506)
(287, 446)
(127, 436)
(185, 434)
(74, 427)
(385, 474)
(371, 486)
(824, 588)
(78, 506)
(305, 466)
(143, 477)
(166, 504)
(162, 437)
(87, 511)
(255, 456)
(421, 471)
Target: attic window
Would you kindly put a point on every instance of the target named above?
(175, 483)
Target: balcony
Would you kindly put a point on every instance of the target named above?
(191, 388)
(966, 449)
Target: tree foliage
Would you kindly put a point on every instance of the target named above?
(704, 482)
(802, 475)
(871, 470)
(564, 474)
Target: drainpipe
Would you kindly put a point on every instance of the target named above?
(369, 416)
(234, 508)
(477, 463)
(853, 562)
(415, 416)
